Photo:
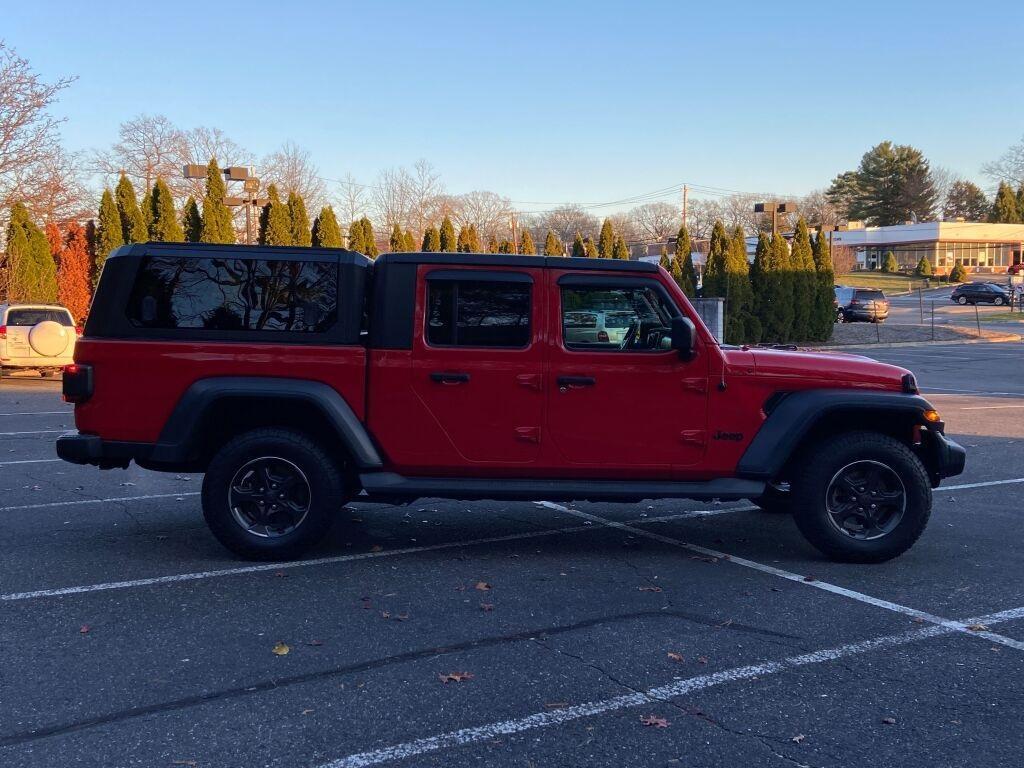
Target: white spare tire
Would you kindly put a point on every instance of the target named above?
(49, 339)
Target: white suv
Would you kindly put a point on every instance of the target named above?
(40, 336)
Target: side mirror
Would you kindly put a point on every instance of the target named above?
(684, 337)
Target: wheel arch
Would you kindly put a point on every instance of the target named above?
(213, 410)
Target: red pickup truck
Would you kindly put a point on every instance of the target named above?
(298, 379)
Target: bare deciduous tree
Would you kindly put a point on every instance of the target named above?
(1009, 167)
(489, 212)
(566, 220)
(148, 146)
(817, 210)
(353, 199)
(701, 215)
(200, 145)
(655, 222)
(292, 169)
(392, 198)
(30, 154)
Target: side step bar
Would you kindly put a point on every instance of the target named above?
(388, 485)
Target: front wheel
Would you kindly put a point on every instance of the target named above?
(998, 301)
(270, 494)
(961, 300)
(862, 497)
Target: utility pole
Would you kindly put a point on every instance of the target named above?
(685, 191)
(515, 240)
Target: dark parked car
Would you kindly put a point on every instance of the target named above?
(860, 305)
(980, 293)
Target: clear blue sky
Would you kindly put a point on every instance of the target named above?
(550, 101)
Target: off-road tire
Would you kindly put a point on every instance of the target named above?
(326, 493)
(811, 482)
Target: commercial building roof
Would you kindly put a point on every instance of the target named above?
(930, 231)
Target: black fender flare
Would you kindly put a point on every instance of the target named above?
(177, 439)
(798, 412)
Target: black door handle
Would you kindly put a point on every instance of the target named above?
(443, 377)
(576, 381)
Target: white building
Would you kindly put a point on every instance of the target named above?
(979, 247)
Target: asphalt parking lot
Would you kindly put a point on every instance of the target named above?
(457, 634)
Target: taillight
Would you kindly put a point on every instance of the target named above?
(854, 302)
(78, 330)
(602, 335)
(77, 383)
(3, 331)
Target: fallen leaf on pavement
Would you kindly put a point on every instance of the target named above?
(977, 628)
(657, 722)
(704, 558)
(809, 578)
(649, 589)
(798, 738)
(455, 677)
(675, 656)
(315, 642)
(483, 586)
(307, 711)
(280, 649)
(84, 630)
(889, 720)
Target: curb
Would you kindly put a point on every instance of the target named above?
(1002, 339)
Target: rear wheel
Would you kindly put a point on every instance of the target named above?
(998, 301)
(270, 494)
(862, 497)
(961, 300)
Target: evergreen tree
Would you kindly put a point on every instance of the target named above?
(409, 246)
(74, 286)
(892, 184)
(474, 240)
(191, 221)
(683, 246)
(163, 221)
(275, 223)
(590, 248)
(762, 272)
(676, 270)
(741, 324)
(133, 226)
(31, 269)
(1005, 209)
(689, 279)
(326, 232)
(298, 221)
(783, 293)
(446, 239)
(526, 245)
(492, 244)
(966, 201)
(924, 268)
(958, 274)
(506, 246)
(431, 241)
(824, 316)
(462, 243)
(1020, 201)
(802, 258)
(146, 206)
(217, 224)
(108, 233)
(714, 269)
(396, 243)
(889, 264)
(55, 240)
(606, 241)
(552, 245)
(579, 250)
(664, 261)
(620, 250)
(369, 239)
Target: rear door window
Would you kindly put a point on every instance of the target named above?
(17, 316)
(478, 313)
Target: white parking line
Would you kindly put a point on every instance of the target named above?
(986, 484)
(29, 461)
(795, 577)
(262, 567)
(98, 501)
(988, 407)
(656, 695)
(41, 413)
(942, 390)
(35, 432)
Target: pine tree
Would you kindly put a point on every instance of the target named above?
(802, 259)
(760, 276)
(889, 263)
(1005, 209)
(31, 268)
(492, 243)
(683, 246)
(55, 240)
(108, 233)
(924, 268)
(714, 269)
(74, 287)
(275, 223)
(579, 250)
(191, 221)
(298, 221)
(462, 242)
(526, 245)
(163, 221)
(44, 265)
(958, 274)
(552, 245)
(620, 250)
(474, 240)
(606, 241)
(824, 290)
(326, 232)
(431, 241)
(506, 246)
(369, 239)
(146, 206)
(217, 225)
(409, 246)
(676, 270)
(1020, 201)
(782, 291)
(133, 226)
(590, 248)
(664, 261)
(447, 241)
(741, 325)
(396, 243)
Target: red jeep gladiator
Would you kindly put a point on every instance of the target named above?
(298, 379)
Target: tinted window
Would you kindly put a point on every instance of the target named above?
(471, 313)
(235, 294)
(870, 295)
(25, 316)
(636, 318)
